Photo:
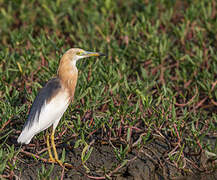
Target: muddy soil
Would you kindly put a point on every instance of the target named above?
(146, 164)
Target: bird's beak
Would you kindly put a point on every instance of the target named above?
(89, 54)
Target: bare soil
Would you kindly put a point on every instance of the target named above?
(146, 164)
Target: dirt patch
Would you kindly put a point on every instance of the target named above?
(148, 163)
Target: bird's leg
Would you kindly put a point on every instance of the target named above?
(54, 148)
(51, 159)
(56, 159)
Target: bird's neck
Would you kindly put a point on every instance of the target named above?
(68, 74)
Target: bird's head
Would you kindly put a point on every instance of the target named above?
(75, 54)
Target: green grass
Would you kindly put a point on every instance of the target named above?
(158, 81)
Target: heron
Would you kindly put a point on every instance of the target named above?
(53, 100)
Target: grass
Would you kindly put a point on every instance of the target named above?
(158, 81)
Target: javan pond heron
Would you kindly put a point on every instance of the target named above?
(53, 100)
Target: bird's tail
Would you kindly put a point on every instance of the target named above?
(25, 136)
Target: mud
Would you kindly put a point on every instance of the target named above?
(146, 164)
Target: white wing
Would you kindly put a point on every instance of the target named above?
(47, 109)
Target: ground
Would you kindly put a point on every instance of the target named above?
(148, 164)
(145, 111)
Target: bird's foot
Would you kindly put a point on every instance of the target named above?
(64, 165)
(52, 160)
(59, 162)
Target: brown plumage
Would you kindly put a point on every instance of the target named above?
(68, 73)
(53, 99)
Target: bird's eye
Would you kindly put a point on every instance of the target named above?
(78, 53)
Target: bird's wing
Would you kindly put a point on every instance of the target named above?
(47, 109)
(44, 96)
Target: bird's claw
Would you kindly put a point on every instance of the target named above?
(64, 165)
(52, 160)
(59, 162)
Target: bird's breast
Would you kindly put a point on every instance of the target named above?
(69, 84)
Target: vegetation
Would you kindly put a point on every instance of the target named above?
(153, 96)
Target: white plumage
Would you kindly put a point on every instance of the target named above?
(50, 114)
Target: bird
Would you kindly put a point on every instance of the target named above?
(53, 100)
